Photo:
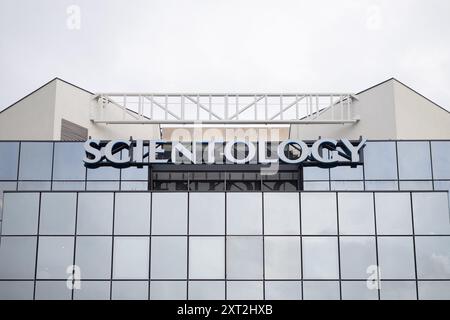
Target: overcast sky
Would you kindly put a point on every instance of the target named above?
(225, 45)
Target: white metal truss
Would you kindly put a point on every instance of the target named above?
(224, 109)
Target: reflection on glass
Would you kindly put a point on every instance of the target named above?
(346, 173)
(132, 214)
(93, 290)
(169, 258)
(434, 290)
(68, 161)
(93, 256)
(17, 257)
(244, 290)
(131, 258)
(16, 290)
(207, 213)
(206, 290)
(55, 255)
(58, 212)
(381, 185)
(393, 212)
(357, 255)
(433, 257)
(281, 213)
(320, 258)
(244, 258)
(169, 213)
(168, 290)
(206, 257)
(416, 185)
(431, 213)
(9, 155)
(35, 161)
(358, 290)
(396, 257)
(244, 213)
(282, 257)
(129, 290)
(356, 213)
(53, 290)
(398, 290)
(283, 290)
(441, 159)
(321, 290)
(414, 160)
(20, 213)
(95, 213)
(319, 216)
(380, 161)
(315, 173)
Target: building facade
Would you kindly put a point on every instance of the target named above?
(377, 228)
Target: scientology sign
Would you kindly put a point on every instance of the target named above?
(125, 153)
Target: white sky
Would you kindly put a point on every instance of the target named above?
(226, 45)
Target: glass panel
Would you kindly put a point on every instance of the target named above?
(36, 161)
(398, 290)
(16, 290)
(168, 290)
(380, 161)
(281, 213)
(347, 185)
(414, 160)
(135, 173)
(9, 155)
(431, 213)
(244, 290)
(129, 290)
(20, 213)
(244, 258)
(93, 256)
(321, 290)
(4, 186)
(134, 185)
(95, 213)
(93, 290)
(169, 213)
(434, 290)
(207, 213)
(17, 257)
(358, 290)
(319, 216)
(416, 185)
(103, 173)
(393, 213)
(346, 173)
(356, 214)
(320, 258)
(283, 290)
(58, 212)
(206, 257)
(206, 290)
(244, 213)
(53, 290)
(68, 161)
(315, 173)
(131, 258)
(69, 186)
(170, 181)
(396, 257)
(433, 256)
(441, 159)
(381, 185)
(55, 255)
(169, 258)
(316, 186)
(34, 186)
(102, 185)
(282, 257)
(357, 255)
(132, 214)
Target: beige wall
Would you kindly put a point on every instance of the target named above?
(30, 118)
